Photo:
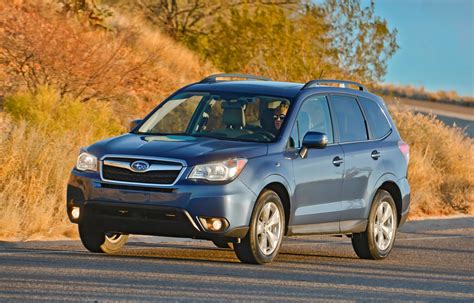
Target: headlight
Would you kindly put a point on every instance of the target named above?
(218, 171)
(86, 161)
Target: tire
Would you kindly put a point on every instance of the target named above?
(258, 247)
(222, 244)
(97, 241)
(377, 241)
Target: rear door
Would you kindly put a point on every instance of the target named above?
(361, 159)
(317, 206)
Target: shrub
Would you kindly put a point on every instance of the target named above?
(441, 165)
(38, 152)
(57, 115)
(39, 46)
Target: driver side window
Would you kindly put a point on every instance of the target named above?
(313, 116)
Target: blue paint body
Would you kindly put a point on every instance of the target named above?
(320, 197)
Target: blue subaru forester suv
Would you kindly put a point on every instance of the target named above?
(243, 161)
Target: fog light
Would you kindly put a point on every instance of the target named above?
(75, 212)
(214, 224)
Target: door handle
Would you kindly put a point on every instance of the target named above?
(337, 161)
(375, 154)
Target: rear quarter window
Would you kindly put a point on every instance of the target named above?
(378, 123)
(350, 121)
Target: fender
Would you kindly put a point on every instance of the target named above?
(277, 178)
(384, 178)
(257, 187)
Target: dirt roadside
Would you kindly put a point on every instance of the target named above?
(437, 108)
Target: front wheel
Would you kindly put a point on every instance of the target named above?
(98, 241)
(267, 226)
(377, 241)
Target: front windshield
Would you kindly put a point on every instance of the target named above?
(231, 116)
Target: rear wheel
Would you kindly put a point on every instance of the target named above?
(98, 241)
(377, 241)
(267, 225)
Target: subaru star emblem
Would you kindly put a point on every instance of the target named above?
(139, 166)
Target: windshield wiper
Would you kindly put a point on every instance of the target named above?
(160, 134)
(209, 136)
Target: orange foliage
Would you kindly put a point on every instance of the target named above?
(40, 47)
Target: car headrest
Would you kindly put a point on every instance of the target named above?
(233, 115)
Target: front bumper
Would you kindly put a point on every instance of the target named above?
(172, 211)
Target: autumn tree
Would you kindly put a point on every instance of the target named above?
(187, 20)
(265, 40)
(363, 41)
(294, 40)
(38, 50)
(88, 11)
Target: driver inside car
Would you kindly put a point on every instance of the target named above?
(279, 115)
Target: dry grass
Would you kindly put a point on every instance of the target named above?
(33, 174)
(38, 151)
(132, 69)
(441, 165)
(39, 46)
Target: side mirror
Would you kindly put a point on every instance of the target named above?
(313, 140)
(134, 124)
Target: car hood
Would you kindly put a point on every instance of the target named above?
(193, 150)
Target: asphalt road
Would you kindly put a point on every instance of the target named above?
(449, 114)
(467, 125)
(433, 260)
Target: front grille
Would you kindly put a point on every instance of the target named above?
(152, 161)
(121, 174)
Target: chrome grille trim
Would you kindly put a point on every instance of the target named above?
(138, 157)
(153, 167)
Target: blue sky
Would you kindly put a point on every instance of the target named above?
(436, 43)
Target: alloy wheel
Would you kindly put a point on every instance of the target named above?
(268, 228)
(384, 226)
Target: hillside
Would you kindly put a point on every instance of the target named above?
(77, 85)
(63, 86)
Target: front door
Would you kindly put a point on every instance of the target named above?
(318, 177)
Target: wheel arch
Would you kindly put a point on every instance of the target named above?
(392, 188)
(282, 192)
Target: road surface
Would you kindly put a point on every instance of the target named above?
(450, 114)
(433, 260)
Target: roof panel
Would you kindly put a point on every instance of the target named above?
(283, 89)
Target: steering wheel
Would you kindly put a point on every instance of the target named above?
(267, 134)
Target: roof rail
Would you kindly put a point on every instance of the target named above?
(342, 83)
(213, 78)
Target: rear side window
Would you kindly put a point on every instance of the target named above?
(376, 118)
(350, 120)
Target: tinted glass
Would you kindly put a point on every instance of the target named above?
(227, 116)
(174, 116)
(378, 123)
(313, 116)
(350, 120)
